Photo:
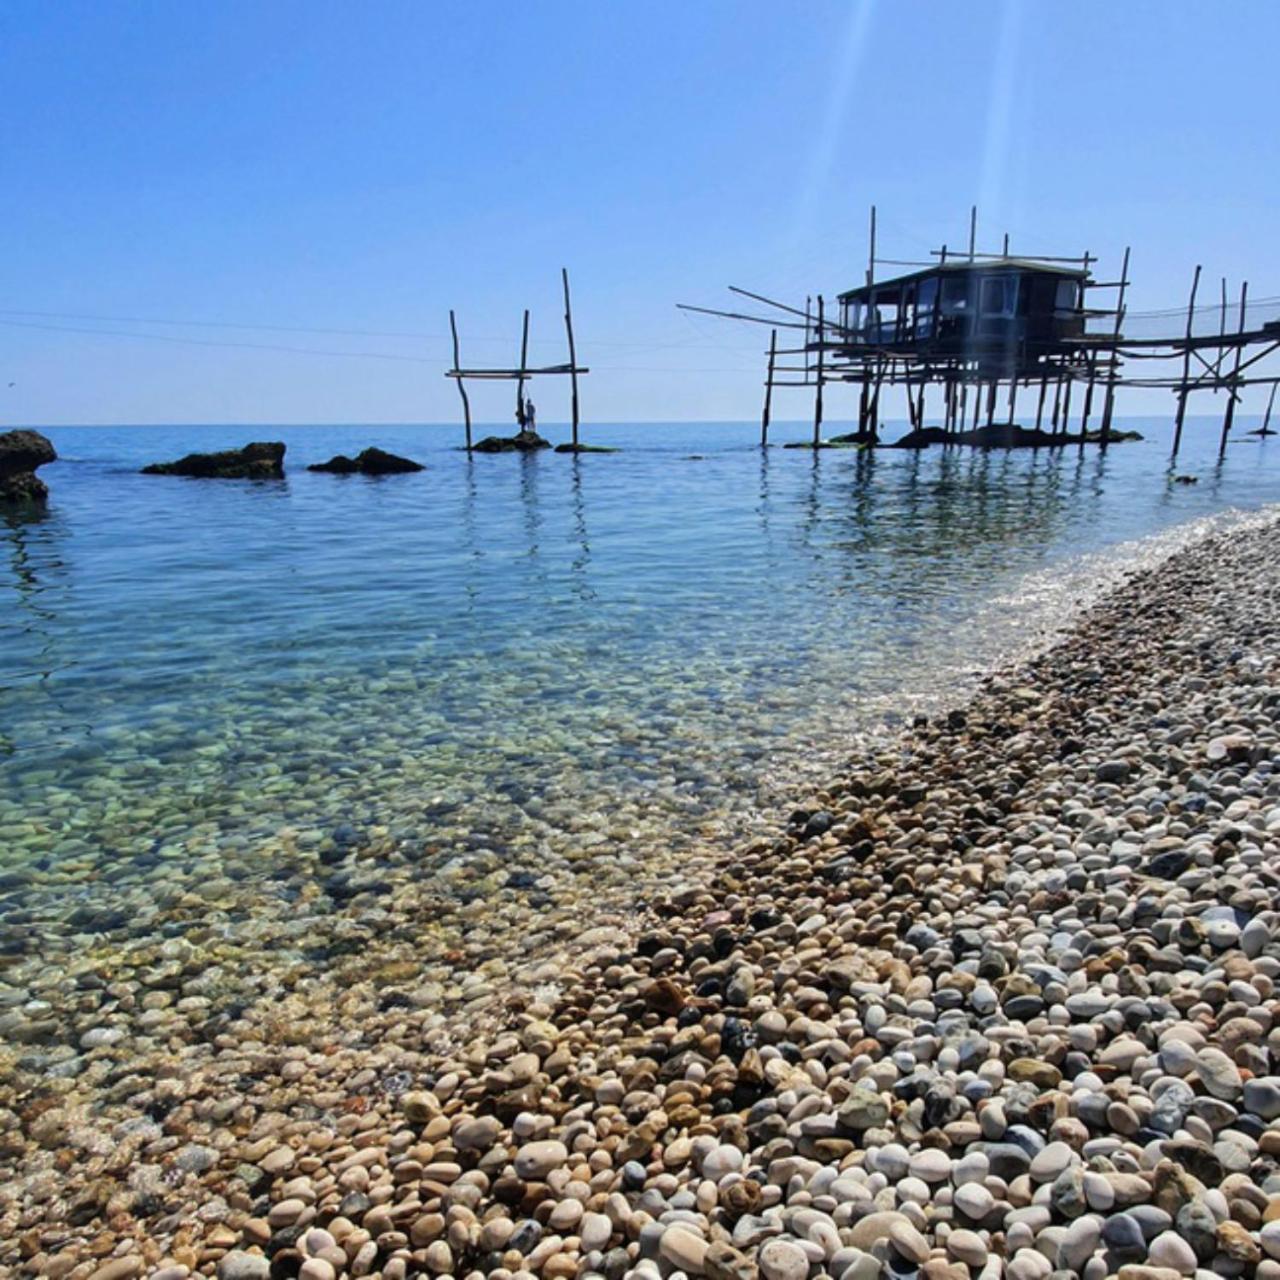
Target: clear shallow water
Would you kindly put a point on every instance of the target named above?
(228, 700)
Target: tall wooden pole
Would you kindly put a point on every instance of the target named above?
(973, 232)
(817, 402)
(1266, 422)
(1232, 390)
(768, 389)
(524, 361)
(1088, 398)
(457, 368)
(871, 254)
(573, 355)
(1113, 365)
(1186, 365)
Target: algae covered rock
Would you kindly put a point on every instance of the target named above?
(258, 461)
(368, 462)
(21, 452)
(524, 442)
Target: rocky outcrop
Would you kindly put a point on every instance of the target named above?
(368, 462)
(254, 462)
(21, 452)
(524, 442)
(1005, 435)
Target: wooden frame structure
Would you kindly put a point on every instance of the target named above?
(523, 372)
(979, 327)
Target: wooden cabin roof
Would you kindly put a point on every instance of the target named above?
(986, 266)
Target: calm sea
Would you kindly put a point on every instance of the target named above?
(534, 662)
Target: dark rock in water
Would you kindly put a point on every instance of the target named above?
(1004, 435)
(1186, 479)
(21, 452)
(855, 437)
(254, 462)
(524, 442)
(584, 448)
(368, 462)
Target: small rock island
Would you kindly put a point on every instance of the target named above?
(368, 462)
(21, 452)
(259, 461)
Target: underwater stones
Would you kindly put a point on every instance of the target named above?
(21, 453)
(368, 462)
(258, 461)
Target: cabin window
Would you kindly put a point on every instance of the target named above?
(955, 294)
(998, 295)
(1068, 296)
(926, 301)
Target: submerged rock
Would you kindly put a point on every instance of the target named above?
(21, 452)
(368, 462)
(257, 461)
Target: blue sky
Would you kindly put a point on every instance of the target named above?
(293, 167)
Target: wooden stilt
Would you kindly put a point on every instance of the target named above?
(768, 389)
(871, 253)
(1057, 406)
(457, 369)
(1013, 395)
(1266, 421)
(1184, 388)
(1088, 400)
(992, 388)
(1044, 391)
(1233, 392)
(524, 364)
(817, 400)
(573, 357)
(1112, 369)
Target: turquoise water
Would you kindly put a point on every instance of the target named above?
(231, 707)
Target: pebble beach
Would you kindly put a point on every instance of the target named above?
(1000, 999)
